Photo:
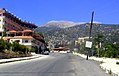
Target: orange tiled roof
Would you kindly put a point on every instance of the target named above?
(19, 37)
(12, 31)
(27, 31)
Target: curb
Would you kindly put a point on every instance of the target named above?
(2, 61)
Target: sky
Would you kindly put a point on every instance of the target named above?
(41, 11)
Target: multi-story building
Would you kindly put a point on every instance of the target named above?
(13, 28)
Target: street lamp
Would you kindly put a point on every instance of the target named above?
(90, 32)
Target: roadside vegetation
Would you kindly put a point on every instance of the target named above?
(12, 50)
(102, 47)
(105, 48)
(117, 63)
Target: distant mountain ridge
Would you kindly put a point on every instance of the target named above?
(65, 32)
(58, 25)
(61, 24)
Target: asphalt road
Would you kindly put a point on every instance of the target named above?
(55, 64)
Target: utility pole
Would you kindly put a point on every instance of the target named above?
(90, 33)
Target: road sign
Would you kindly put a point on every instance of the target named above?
(88, 44)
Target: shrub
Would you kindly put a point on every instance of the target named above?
(101, 62)
(111, 51)
(15, 46)
(110, 72)
(117, 63)
(4, 45)
(23, 49)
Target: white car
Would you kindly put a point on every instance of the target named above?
(68, 51)
(46, 53)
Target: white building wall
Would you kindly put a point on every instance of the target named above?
(29, 43)
(1, 24)
(12, 40)
(22, 41)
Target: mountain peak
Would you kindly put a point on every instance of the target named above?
(59, 24)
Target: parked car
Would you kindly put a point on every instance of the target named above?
(46, 53)
(68, 51)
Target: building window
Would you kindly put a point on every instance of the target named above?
(5, 22)
(17, 41)
(0, 33)
(26, 41)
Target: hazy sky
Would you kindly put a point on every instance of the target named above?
(42, 11)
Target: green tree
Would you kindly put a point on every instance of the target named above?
(15, 46)
(18, 47)
(4, 45)
(98, 38)
(23, 49)
(111, 50)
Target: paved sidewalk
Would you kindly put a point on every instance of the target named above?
(107, 64)
(20, 59)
